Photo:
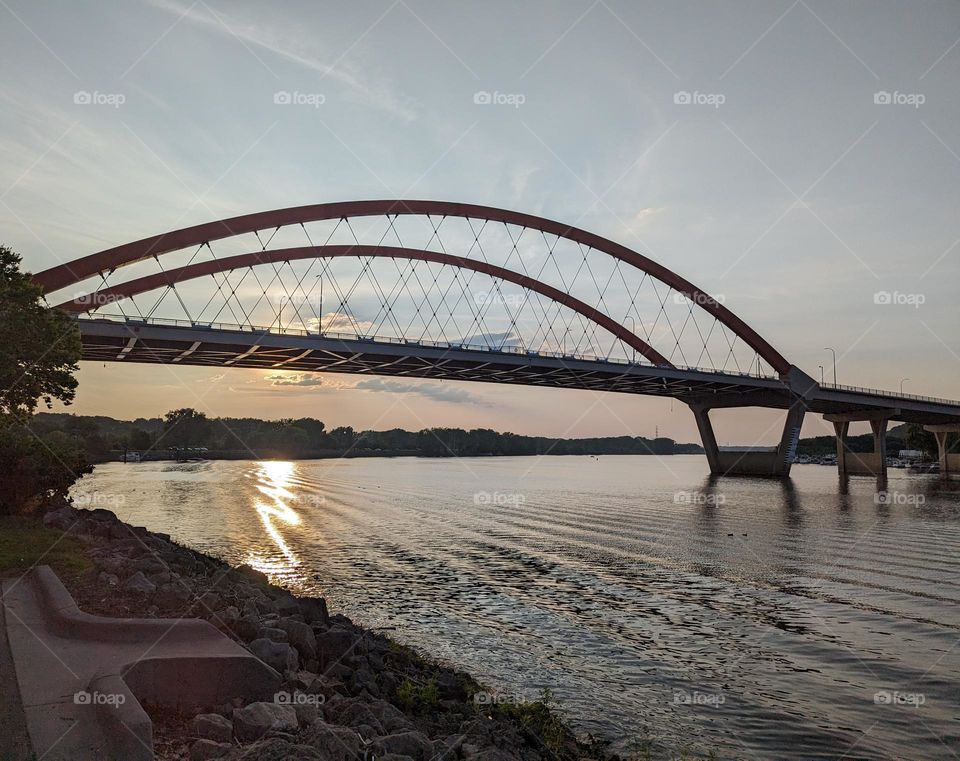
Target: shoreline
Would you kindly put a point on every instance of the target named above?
(378, 697)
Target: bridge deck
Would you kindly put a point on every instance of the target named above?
(169, 342)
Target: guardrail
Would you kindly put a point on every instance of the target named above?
(889, 394)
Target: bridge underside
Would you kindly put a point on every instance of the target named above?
(142, 342)
(110, 341)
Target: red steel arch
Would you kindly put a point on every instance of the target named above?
(228, 263)
(73, 272)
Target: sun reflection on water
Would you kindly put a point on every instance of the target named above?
(273, 481)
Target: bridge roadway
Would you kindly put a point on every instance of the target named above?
(221, 345)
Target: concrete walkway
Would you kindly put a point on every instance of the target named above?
(14, 741)
(82, 677)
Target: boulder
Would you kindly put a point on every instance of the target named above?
(301, 636)
(253, 721)
(278, 655)
(333, 743)
(414, 744)
(140, 584)
(272, 633)
(280, 749)
(213, 726)
(335, 642)
(391, 718)
(314, 610)
(202, 750)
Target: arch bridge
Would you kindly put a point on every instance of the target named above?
(453, 291)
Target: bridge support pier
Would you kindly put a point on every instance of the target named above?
(949, 461)
(772, 462)
(862, 463)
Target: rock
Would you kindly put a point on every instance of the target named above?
(275, 635)
(208, 602)
(247, 627)
(140, 584)
(448, 747)
(353, 712)
(280, 749)
(201, 750)
(301, 636)
(173, 596)
(213, 726)
(278, 655)
(307, 712)
(333, 743)
(391, 718)
(109, 579)
(314, 610)
(229, 615)
(414, 744)
(335, 642)
(255, 720)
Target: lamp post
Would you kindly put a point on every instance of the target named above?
(821, 374)
(902, 381)
(834, 353)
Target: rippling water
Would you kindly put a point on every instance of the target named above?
(752, 618)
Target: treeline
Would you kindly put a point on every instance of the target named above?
(103, 438)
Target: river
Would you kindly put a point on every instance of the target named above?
(750, 618)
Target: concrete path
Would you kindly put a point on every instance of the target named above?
(82, 677)
(14, 741)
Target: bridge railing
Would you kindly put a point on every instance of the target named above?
(518, 350)
(889, 394)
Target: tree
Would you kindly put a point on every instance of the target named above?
(39, 347)
(185, 428)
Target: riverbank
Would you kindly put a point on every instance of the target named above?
(348, 692)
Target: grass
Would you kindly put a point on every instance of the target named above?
(26, 542)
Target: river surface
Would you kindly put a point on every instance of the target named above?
(750, 618)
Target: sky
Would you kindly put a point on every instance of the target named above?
(800, 159)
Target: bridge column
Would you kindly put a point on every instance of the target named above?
(949, 461)
(750, 460)
(857, 463)
(707, 436)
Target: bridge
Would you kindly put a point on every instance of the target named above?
(452, 291)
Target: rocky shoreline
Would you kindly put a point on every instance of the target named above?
(347, 692)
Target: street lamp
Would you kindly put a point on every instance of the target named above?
(902, 381)
(834, 353)
(821, 374)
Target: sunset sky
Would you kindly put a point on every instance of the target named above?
(790, 185)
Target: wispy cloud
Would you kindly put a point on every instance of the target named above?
(435, 391)
(287, 44)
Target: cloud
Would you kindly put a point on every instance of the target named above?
(304, 379)
(284, 44)
(439, 392)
